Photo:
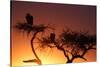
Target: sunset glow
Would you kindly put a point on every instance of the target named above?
(60, 16)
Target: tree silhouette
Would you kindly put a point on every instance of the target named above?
(34, 30)
(73, 44)
(79, 43)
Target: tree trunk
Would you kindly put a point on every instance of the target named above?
(69, 61)
(33, 50)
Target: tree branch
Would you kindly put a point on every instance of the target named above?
(85, 51)
(78, 56)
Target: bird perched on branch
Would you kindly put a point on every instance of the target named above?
(29, 19)
(52, 37)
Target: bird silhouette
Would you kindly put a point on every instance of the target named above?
(52, 37)
(29, 19)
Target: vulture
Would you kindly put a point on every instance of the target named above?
(29, 19)
(52, 37)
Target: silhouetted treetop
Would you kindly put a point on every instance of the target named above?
(71, 42)
(31, 28)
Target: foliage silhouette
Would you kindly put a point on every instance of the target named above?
(34, 30)
(79, 43)
(72, 43)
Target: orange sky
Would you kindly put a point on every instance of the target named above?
(76, 17)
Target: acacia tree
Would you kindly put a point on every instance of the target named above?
(73, 44)
(34, 30)
(79, 43)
